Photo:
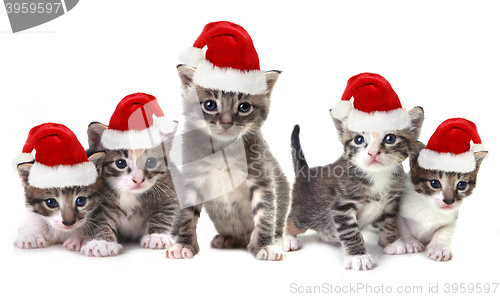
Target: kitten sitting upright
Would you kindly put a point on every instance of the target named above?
(224, 152)
(140, 202)
(62, 188)
(443, 175)
(365, 184)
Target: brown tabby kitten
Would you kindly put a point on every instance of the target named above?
(338, 200)
(59, 215)
(228, 167)
(428, 214)
(141, 202)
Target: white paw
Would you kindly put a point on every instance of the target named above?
(271, 253)
(30, 241)
(414, 246)
(396, 248)
(291, 243)
(363, 262)
(74, 243)
(177, 251)
(157, 241)
(437, 253)
(101, 248)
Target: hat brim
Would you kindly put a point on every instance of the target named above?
(42, 176)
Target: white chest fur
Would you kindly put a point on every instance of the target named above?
(131, 224)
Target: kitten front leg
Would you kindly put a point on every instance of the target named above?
(159, 229)
(103, 242)
(351, 239)
(262, 244)
(389, 224)
(406, 242)
(33, 233)
(186, 245)
(439, 248)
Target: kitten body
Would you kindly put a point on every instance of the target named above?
(362, 187)
(228, 167)
(141, 202)
(59, 215)
(428, 214)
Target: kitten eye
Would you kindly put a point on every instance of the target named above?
(461, 185)
(51, 203)
(121, 163)
(390, 138)
(81, 201)
(435, 184)
(359, 139)
(244, 107)
(210, 105)
(151, 162)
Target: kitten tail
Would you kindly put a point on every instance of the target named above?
(299, 160)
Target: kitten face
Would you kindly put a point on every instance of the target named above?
(65, 208)
(134, 171)
(446, 190)
(378, 151)
(226, 114)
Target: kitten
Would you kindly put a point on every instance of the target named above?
(428, 214)
(141, 202)
(338, 200)
(59, 215)
(252, 212)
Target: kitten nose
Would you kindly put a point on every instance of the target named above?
(138, 177)
(70, 223)
(226, 126)
(226, 120)
(373, 151)
(449, 201)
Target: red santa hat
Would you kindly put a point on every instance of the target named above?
(376, 107)
(230, 63)
(450, 149)
(132, 125)
(60, 159)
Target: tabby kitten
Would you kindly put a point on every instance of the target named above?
(428, 214)
(363, 186)
(141, 201)
(59, 215)
(227, 124)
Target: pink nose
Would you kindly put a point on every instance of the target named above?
(138, 177)
(373, 151)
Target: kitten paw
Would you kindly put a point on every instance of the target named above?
(178, 251)
(74, 243)
(271, 253)
(30, 241)
(224, 242)
(363, 262)
(291, 243)
(157, 241)
(414, 246)
(396, 248)
(101, 248)
(439, 254)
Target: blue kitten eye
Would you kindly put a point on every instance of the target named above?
(51, 203)
(461, 185)
(151, 163)
(81, 201)
(390, 138)
(435, 184)
(244, 107)
(359, 139)
(121, 163)
(210, 105)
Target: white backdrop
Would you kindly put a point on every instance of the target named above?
(441, 56)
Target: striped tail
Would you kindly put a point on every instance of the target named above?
(299, 160)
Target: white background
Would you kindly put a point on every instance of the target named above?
(443, 56)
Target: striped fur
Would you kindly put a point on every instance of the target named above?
(340, 199)
(252, 213)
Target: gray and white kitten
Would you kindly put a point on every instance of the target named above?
(362, 187)
(140, 202)
(220, 123)
(428, 214)
(59, 215)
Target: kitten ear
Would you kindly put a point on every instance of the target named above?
(168, 138)
(479, 156)
(186, 74)
(98, 160)
(24, 172)
(339, 124)
(417, 119)
(416, 148)
(94, 133)
(271, 79)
